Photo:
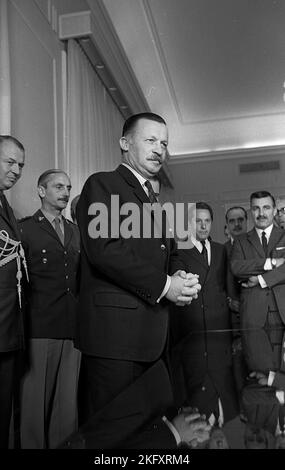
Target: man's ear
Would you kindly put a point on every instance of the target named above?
(41, 191)
(124, 144)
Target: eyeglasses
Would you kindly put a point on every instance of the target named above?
(281, 211)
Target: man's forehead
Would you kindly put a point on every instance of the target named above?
(9, 148)
(203, 213)
(146, 126)
(59, 178)
(263, 201)
(235, 213)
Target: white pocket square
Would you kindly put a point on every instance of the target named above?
(280, 248)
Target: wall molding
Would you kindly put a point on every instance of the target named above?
(231, 154)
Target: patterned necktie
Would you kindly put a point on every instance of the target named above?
(264, 242)
(204, 251)
(58, 229)
(151, 193)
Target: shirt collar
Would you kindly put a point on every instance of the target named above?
(199, 245)
(51, 217)
(139, 177)
(267, 231)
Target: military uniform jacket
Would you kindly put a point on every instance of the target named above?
(52, 268)
(121, 278)
(11, 324)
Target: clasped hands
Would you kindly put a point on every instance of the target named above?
(184, 287)
(192, 427)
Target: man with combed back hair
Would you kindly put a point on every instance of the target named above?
(12, 159)
(125, 288)
(49, 386)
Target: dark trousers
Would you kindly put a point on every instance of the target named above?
(7, 378)
(103, 379)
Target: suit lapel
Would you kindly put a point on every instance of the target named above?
(254, 240)
(132, 181)
(275, 236)
(68, 232)
(141, 195)
(46, 225)
(195, 254)
(213, 261)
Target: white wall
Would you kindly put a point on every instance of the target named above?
(219, 183)
(37, 104)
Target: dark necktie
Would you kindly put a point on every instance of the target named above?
(264, 243)
(58, 229)
(4, 205)
(204, 251)
(151, 193)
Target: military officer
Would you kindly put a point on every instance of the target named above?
(49, 387)
(12, 159)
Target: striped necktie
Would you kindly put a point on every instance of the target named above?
(151, 193)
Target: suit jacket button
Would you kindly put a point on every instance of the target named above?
(203, 388)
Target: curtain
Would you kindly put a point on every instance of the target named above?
(94, 122)
(5, 86)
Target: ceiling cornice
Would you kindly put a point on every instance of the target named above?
(230, 154)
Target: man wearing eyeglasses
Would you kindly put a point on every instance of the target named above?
(280, 216)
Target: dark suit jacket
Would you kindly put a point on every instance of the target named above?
(206, 353)
(121, 279)
(132, 420)
(262, 407)
(52, 267)
(248, 259)
(210, 311)
(11, 322)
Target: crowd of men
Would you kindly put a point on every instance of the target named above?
(93, 320)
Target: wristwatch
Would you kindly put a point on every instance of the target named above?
(273, 262)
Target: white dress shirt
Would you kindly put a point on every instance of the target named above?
(199, 247)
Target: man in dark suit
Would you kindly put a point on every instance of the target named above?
(12, 158)
(258, 261)
(125, 287)
(236, 219)
(49, 386)
(280, 215)
(205, 351)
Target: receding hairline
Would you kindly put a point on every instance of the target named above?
(10, 139)
(240, 208)
(45, 177)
